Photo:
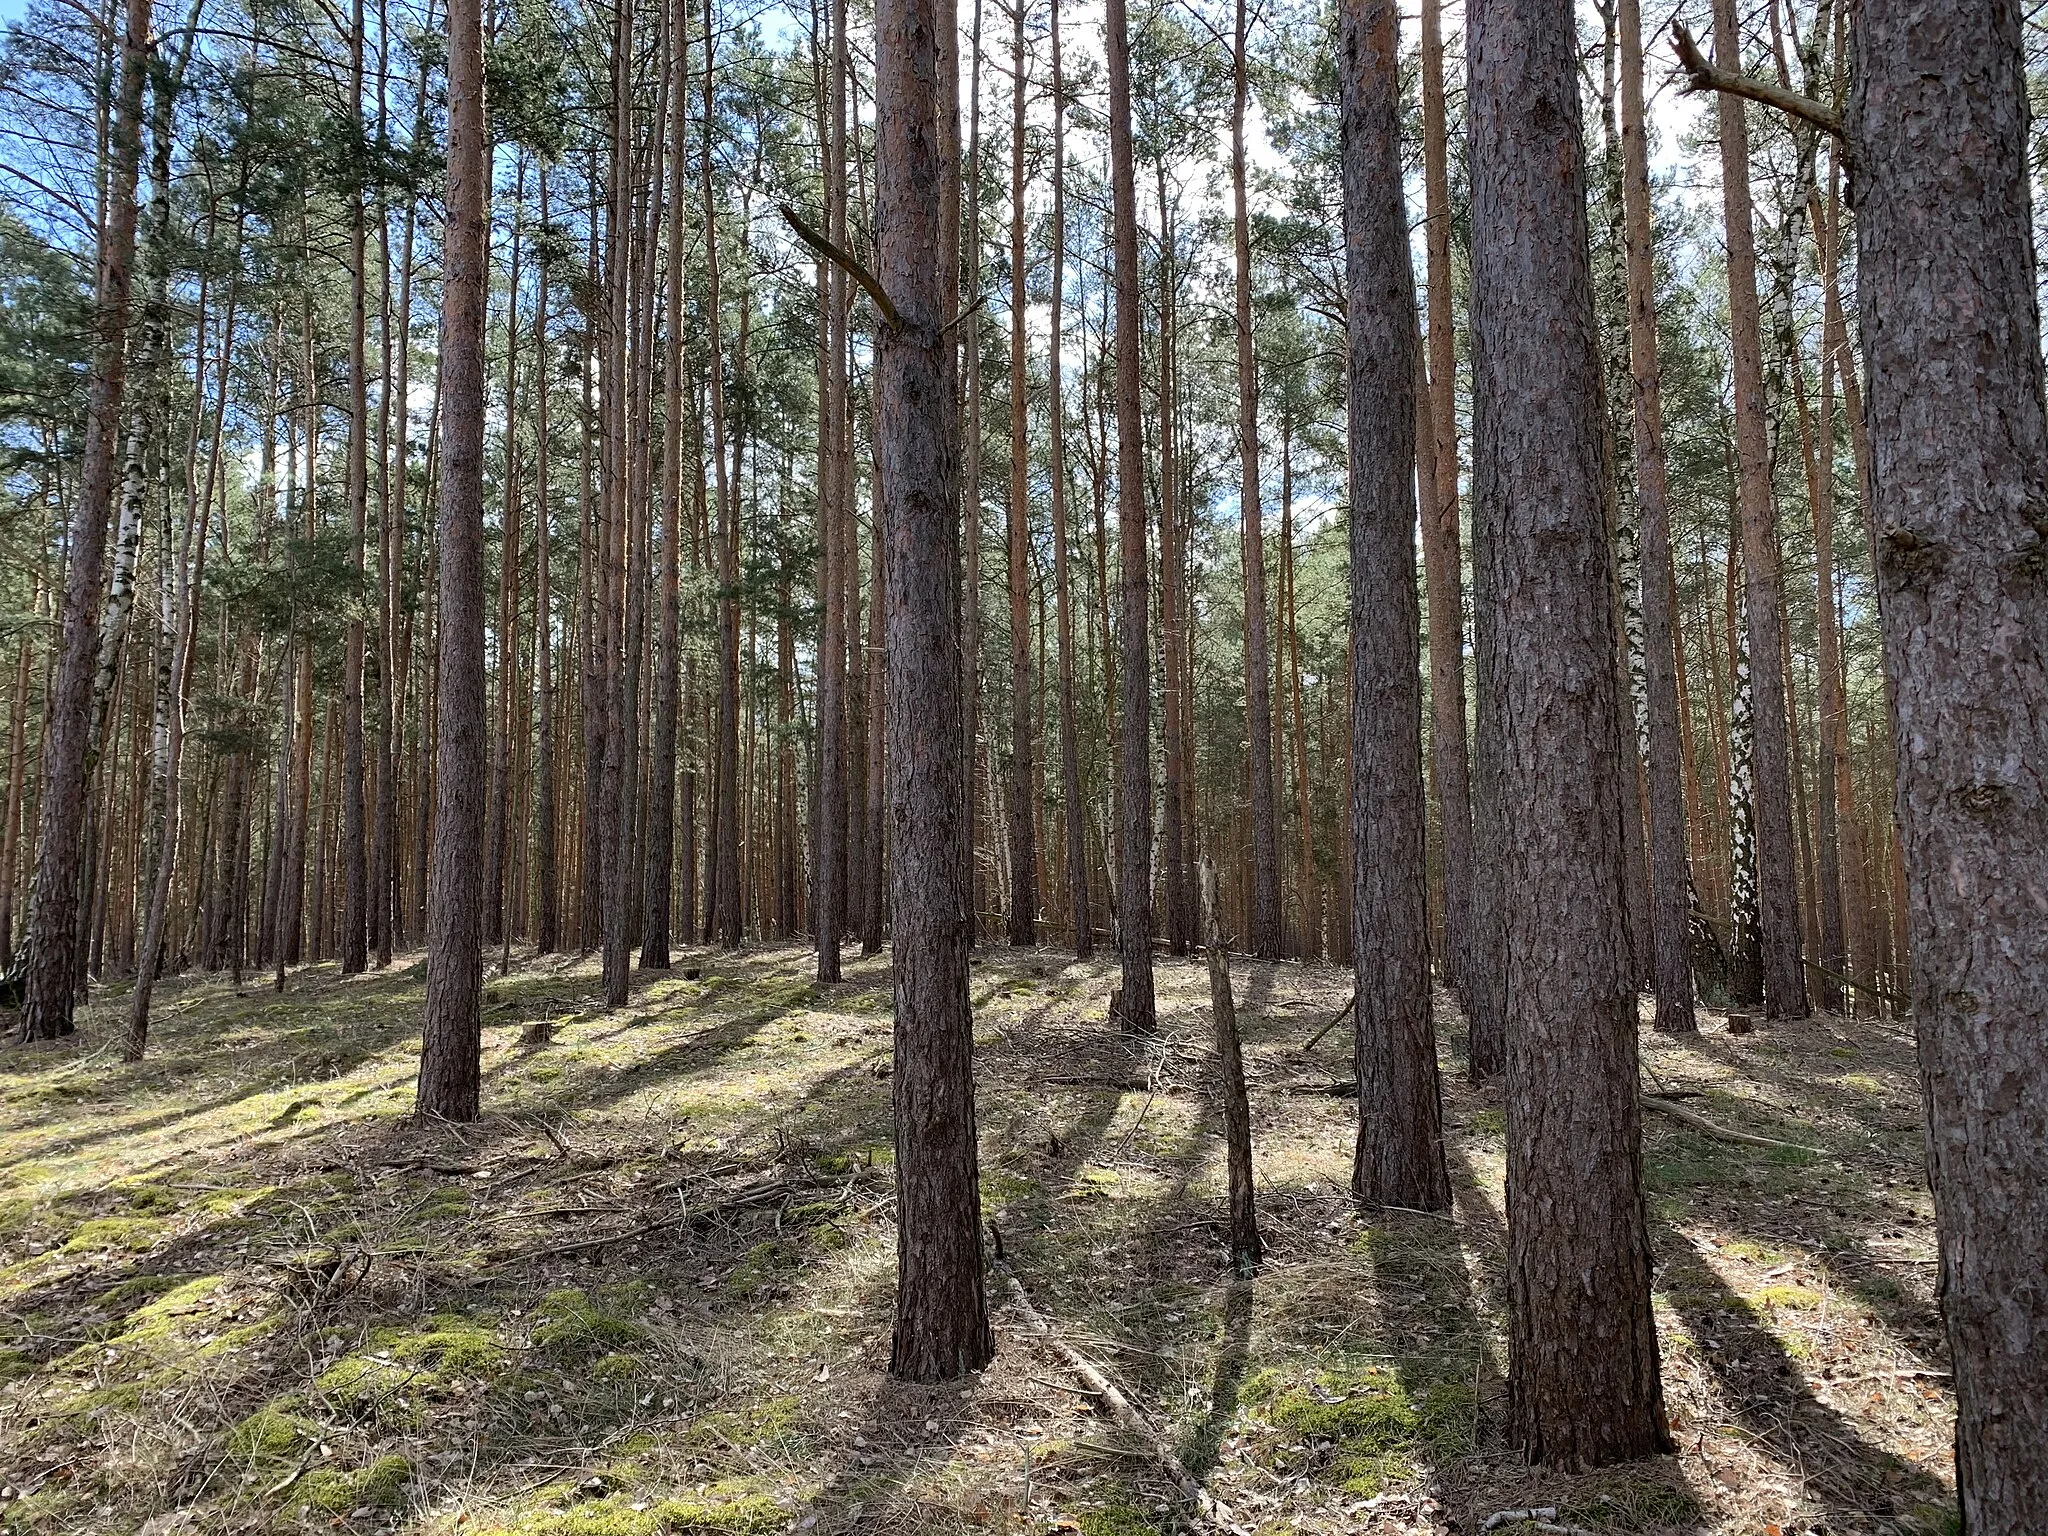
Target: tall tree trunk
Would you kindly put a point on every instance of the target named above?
(547, 880)
(829, 867)
(1399, 1158)
(1583, 1385)
(1023, 901)
(1670, 870)
(1784, 980)
(450, 1067)
(1959, 476)
(1441, 555)
(1072, 806)
(726, 898)
(498, 827)
(355, 854)
(661, 784)
(52, 938)
(1258, 669)
(1136, 1010)
(942, 1328)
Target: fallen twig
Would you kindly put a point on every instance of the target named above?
(1707, 1127)
(1342, 1014)
(1543, 1517)
(756, 1197)
(1120, 1406)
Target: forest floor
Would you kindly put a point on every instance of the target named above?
(241, 1290)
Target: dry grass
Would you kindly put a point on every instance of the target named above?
(240, 1290)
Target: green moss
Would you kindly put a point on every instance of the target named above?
(15, 1364)
(1370, 1412)
(764, 1265)
(1373, 1424)
(1118, 1519)
(337, 1491)
(1752, 1252)
(1490, 1122)
(614, 1368)
(452, 1344)
(270, 1436)
(576, 1326)
(133, 1234)
(723, 1509)
(148, 1198)
(1785, 1297)
(779, 1418)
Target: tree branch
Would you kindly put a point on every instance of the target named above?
(845, 262)
(1702, 74)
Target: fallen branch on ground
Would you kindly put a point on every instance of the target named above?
(1342, 1013)
(1707, 1127)
(1098, 1383)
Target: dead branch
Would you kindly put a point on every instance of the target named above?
(1100, 1384)
(1702, 74)
(1342, 1014)
(1707, 1127)
(845, 261)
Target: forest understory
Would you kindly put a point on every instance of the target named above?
(242, 1289)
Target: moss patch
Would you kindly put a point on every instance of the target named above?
(380, 1485)
(723, 1509)
(132, 1234)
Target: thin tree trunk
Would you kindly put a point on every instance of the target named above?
(48, 992)
(1266, 923)
(1399, 1157)
(450, 1066)
(1441, 555)
(1784, 980)
(1135, 1009)
(1023, 796)
(1073, 813)
(1670, 870)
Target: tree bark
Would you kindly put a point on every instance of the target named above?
(1583, 1385)
(942, 1328)
(1441, 556)
(1784, 979)
(1074, 815)
(1670, 869)
(1959, 479)
(1023, 903)
(1136, 1012)
(1258, 669)
(52, 939)
(450, 1066)
(1399, 1157)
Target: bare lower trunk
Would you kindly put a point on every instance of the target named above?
(1399, 1158)
(1583, 1386)
(52, 937)
(942, 1330)
(1136, 1011)
(1959, 475)
(1670, 869)
(1784, 981)
(450, 1068)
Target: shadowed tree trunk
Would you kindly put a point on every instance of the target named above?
(548, 915)
(1258, 670)
(1784, 981)
(451, 1036)
(1135, 1010)
(661, 783)
(1959, 476)
(52, 935)
(1583, 1385)
(1399, 1158)
(1441, 556)
(1074, 814)
(355, 861)
(1023, 793)
(942, 1328)
(829, 868)
(1670, 869)
(724, 917)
